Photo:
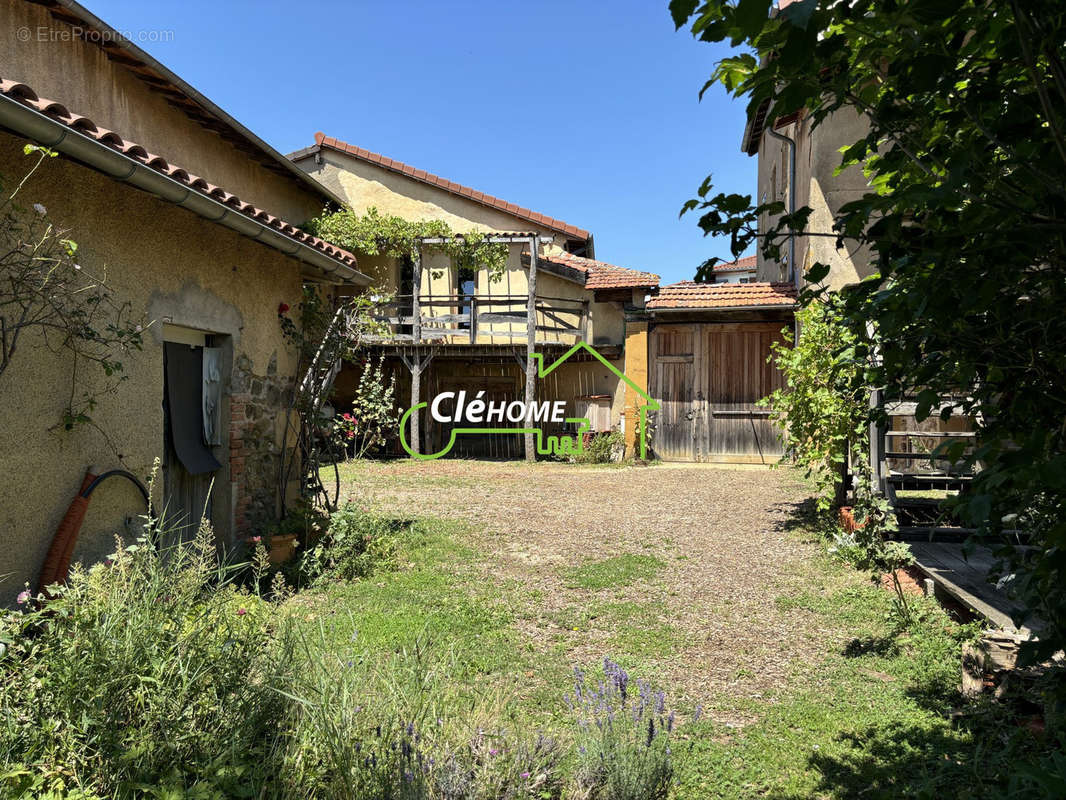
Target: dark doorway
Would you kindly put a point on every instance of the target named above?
(189, 466)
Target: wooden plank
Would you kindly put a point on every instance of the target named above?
(446, 319)
(675, 359)
(916, 434)
(440, 333)
(492, 317)
(908, 409)
(966, 582)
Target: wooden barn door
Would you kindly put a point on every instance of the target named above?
(676, 436)
(737, 375)
(708, 378)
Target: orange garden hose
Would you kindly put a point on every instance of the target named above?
(57, 562)
(67, 531)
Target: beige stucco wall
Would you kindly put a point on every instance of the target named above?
(817, 159)
(171, 265)
(79, 75)
(367, 185)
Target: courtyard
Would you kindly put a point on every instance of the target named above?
(789, 673)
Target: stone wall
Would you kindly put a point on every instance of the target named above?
(258, 407)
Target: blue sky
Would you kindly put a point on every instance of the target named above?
(586, 111)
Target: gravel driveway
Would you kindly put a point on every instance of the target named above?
(725, 539)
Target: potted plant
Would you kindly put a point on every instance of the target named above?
(302, 526)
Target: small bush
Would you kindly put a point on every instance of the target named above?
(602, 448)
(623, 740)
(365, 727)
(357, 543)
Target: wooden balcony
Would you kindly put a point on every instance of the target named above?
(480, 319)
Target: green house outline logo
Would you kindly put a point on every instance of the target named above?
(559, 445)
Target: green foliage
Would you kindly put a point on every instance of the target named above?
(616, 571)
(430, 744)
(624, 737)
(357, 543)
(871, 548)
(374, 416)
(151, 672)
(375, 233)
(45, 292)
(601, 448)
(323, 332)
(965, 221)
(303, 519)
(822, 409)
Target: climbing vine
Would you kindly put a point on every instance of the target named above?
(822, 415)
(822, 409)
(48, 295)
(374, 233)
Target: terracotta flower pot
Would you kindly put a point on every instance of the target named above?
(282, 548)
(847, 520)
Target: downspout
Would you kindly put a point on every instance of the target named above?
(31, 123)
(796, 275)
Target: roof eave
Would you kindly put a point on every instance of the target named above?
(571, 232)
(26, 121)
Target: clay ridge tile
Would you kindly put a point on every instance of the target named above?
(25, 95)
(455, 188)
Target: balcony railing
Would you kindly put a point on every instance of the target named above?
(480, 319)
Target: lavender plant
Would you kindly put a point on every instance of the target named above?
(623, 737)
(394, 728)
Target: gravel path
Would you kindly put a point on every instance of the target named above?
(723, 535)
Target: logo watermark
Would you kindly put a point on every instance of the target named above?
(46, 33)
(474, 411)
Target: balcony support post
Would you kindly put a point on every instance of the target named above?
(531, 344)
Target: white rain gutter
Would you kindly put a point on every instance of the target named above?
(43, 129)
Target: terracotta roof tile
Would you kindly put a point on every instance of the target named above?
(601, 275)
(321, 140)
(689, 294)
(25, 95)
(746, 264)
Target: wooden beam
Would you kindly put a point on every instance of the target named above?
(416, 335)
(520, 238)
(416, 308)
(416, 391)
(531, 342)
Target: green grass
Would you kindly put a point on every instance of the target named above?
(430, 601)
(871, 714)
(873, 720)
(616, 571)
